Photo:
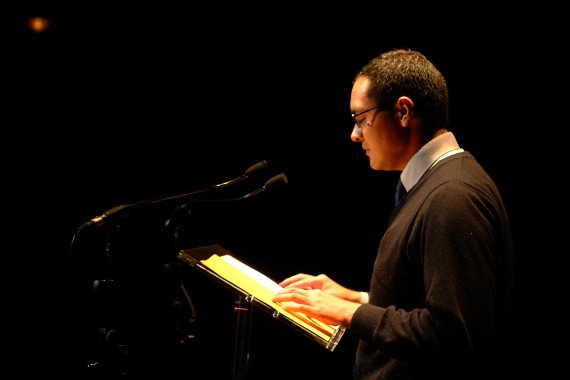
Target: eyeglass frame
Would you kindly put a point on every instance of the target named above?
(359, 122)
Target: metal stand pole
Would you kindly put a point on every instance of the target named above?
(113, 355)
(244, 318)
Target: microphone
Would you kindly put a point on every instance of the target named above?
(272, 183)
(117, 212)
(177, 216)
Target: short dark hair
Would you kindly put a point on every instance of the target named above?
(404, 72)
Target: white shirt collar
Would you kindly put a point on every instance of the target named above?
(436, 149)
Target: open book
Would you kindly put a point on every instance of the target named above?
(218, 263)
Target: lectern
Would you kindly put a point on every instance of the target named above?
(253, 290)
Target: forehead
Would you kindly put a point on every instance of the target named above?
(358, 96)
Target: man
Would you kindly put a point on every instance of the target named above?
(441, 289)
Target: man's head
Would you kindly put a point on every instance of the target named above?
(399, 102)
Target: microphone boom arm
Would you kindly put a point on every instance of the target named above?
(118, 211)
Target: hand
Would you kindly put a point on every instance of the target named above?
(318, 297)
(322, 282)
(317, 304)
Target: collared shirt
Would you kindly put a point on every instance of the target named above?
(435, 150)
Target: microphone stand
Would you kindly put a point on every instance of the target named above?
(113, 353)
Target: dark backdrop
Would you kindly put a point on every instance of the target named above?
(119, 104)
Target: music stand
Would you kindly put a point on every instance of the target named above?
(195, 257)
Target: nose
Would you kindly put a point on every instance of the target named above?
(356, 134)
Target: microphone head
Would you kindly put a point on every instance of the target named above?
(257, 169)
(276, 181)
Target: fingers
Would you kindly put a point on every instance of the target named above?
(295, 295)
(298, 280)
(313, 303)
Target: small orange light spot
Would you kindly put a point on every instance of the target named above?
(38, 24)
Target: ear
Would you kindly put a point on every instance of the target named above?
(406, 110)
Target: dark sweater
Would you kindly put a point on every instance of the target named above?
(442, 285)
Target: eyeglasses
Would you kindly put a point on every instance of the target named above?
(359, 122)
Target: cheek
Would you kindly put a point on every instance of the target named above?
(372, 137)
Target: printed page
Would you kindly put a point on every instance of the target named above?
(259, 277)
(262, 288)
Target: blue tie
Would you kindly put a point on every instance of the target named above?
(400, 191)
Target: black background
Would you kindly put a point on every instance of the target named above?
(118, 104)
